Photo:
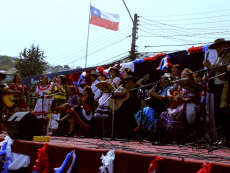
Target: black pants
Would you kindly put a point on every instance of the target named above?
(221, 116)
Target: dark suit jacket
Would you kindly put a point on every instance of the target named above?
(225, 60)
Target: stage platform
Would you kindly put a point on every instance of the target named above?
(130, 157)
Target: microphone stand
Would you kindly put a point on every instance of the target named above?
(42, 111)
(139, 138)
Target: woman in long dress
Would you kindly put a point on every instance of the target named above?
(174, 119)
(149, 115)
(103, 110)
(43, 104)
(82, 116)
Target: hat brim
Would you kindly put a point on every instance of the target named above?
(3, 76)
(135, 79)
(214, 45)
(93, 74)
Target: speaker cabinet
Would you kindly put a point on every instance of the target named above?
(23, 125)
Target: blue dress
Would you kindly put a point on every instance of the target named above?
(148, 118)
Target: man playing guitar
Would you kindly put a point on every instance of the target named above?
(4, 90)
(124, 115)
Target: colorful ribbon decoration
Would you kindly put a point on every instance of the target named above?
(42, 163)
(206, 168)
(68, 164)
(153, 167)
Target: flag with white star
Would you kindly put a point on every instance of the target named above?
(103, 19)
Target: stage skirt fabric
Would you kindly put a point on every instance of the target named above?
(103, 110)
(46, 106)
(148, 118)
(173, 120)
(82, 120)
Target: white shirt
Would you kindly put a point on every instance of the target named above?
(97, 92)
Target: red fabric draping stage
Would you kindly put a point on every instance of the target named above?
(130, 157)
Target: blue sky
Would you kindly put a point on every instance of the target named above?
(60, 27)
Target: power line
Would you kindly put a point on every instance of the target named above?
(194, 18)
(174, 45)
(91, 48)
(165, 30)
(185, 35)
(93, 41)
(173, 31)
(98, 50)
(191, 14)
(110, 58)
(209, 28)
(194, 23)
(170, 38)
(171, 25)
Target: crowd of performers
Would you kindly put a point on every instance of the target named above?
(91, 112)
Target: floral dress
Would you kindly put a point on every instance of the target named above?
(149, 117)
(83, 115)
(173, 120)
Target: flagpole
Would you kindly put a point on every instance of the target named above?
(87, 39)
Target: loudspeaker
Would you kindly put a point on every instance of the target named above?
(23, 125)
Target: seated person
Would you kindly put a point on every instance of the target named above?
(82, 116)
(124, 115)
(173, 120)
(149, 115)
(72, 98)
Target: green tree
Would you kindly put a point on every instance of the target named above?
(31, 62)
(6, 62)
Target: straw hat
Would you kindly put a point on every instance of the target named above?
(129, 77)
(95, 73)
(218, 41)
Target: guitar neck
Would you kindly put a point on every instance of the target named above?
(131, 87)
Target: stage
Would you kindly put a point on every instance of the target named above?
(130, 157)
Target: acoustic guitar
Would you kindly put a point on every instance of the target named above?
(120, 100)
(10, 99)
(173, 103)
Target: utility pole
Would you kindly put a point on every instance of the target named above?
(133, 45)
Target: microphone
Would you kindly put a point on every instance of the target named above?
(109, 77)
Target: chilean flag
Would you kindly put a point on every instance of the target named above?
(105, 20)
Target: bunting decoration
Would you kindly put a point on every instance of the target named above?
(107, 161)
(43, 165)
(164, 64)
(5, 153)
(194, 50)
(68, 164)
(153, 167)
(154, 58)
(206, 168)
